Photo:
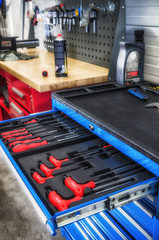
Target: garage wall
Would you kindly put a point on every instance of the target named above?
(12, 26)
(144, 14)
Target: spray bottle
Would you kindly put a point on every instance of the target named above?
(60, 56)
(130, 63)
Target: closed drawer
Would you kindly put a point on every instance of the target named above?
(16, 110)
(21, 93)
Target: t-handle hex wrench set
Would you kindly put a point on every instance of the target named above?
(66, 165)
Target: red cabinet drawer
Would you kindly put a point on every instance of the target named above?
(20, 92)
(16, 110)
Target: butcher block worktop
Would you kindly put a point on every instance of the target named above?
(30, 72)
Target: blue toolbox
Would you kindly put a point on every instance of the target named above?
(89, 165)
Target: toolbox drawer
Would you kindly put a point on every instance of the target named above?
(70, 172)
(16, 110)
(20, 92)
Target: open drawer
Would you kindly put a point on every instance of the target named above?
(68, 172)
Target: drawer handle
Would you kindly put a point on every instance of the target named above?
(20, 112)
(15, 90)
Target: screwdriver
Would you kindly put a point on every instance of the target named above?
(18, 138)
(17, 132)
(35, 122)
(25, 146)
(24, 141)
(31, 121)
(60, 203)
(14, 131)
(22, 131)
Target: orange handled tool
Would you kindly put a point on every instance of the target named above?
(60, 203)
(78, 189)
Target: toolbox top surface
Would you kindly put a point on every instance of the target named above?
(118, 112)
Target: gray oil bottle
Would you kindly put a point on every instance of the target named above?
(130, 63)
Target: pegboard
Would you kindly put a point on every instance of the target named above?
(88, 47)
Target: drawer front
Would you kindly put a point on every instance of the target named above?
(16, 110)
(20, 92)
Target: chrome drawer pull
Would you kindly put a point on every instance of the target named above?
(20, 112)
(15, 90)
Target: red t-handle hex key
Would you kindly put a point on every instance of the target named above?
(39, 179)
(60, 203)
(78, 189)
(56, 162)
(48, 171)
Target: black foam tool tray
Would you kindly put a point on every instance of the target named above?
(89, 159)
(110, 169)
(115, 110)
(54, 128)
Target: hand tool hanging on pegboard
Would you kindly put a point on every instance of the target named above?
(31, 14)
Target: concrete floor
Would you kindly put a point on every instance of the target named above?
(18, 217)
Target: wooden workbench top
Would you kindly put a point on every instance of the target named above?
(30, 72)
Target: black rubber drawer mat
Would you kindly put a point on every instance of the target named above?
(118, 112)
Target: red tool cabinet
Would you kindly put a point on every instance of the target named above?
(23, 99)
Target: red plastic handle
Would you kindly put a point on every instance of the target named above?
(48, 171)
(56, 162)
(24, 147)
(60, 203)
(32, 121)
(107, 146)
(39, 179)
(14, 131)
(78, 189)
(17, 138)
(24, 141)
(15, 134)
